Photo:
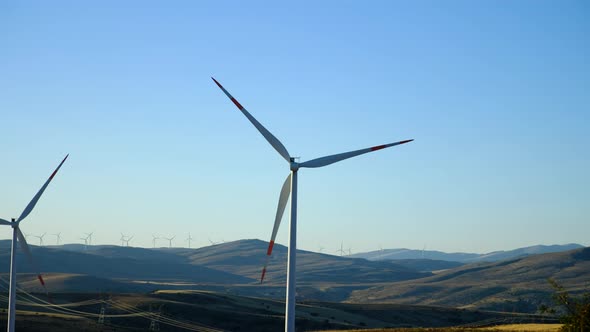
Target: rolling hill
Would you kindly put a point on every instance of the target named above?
(246, 258)
(517, 284)
(399, 254)
(234, 268)
(229, 267)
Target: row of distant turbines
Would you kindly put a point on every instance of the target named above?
(125, 239)
(288, 192)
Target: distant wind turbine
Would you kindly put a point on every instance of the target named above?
(290, 188)
(154, 238)
(57, 238)
(17, 235)
(341, 250)
(189, 239)
(40, 237)
(170, 241)
(89, 237)
(127, 240)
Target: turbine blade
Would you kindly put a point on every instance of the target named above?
(25, 247)
(32, 203)
(283, 198)
(4, 222)
(276, 144)
(324, 161)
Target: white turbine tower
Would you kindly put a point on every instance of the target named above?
(290, 188)
(341, 250)
(189, 239)
(17, 234)
(154, 238)
(57, 238)
(127, 240)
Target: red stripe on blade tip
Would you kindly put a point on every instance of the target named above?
(41, 280)
(270, 245)
(379, 147)
(237, 103)
(214, 80)
(263, 273)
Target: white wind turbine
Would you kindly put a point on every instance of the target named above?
(57, 238)
(154, 238)
(127, 240)
(290, 188)
(40, 237)
(89, 237)
(170, 241)
(341, 250)
(17, 234)
(189, 239)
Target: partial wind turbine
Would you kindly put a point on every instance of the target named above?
(17, 235)
(170, 241)
(57, 238)
(189, 239)
(127, 240)
(40, 237)
(89, 237)
(290, 189)
(341, 250)
(154, 238)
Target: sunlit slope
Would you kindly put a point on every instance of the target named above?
(517, 284)
(246, 258)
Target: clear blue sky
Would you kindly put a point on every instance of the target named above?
(495, 95)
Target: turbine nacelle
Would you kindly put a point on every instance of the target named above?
(294, 166)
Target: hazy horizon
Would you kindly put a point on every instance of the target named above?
(494, 96)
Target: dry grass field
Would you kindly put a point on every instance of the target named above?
(499, 328)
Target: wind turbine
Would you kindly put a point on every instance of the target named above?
(89, 237)
(40, 237)
(17, 234)
(123, 237)
(154, 238)
(127, 240)
(189, 239)
(341, 250)
(290, 188)
(57, 237)
(170, 241)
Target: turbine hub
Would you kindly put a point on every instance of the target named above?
(293, 164)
